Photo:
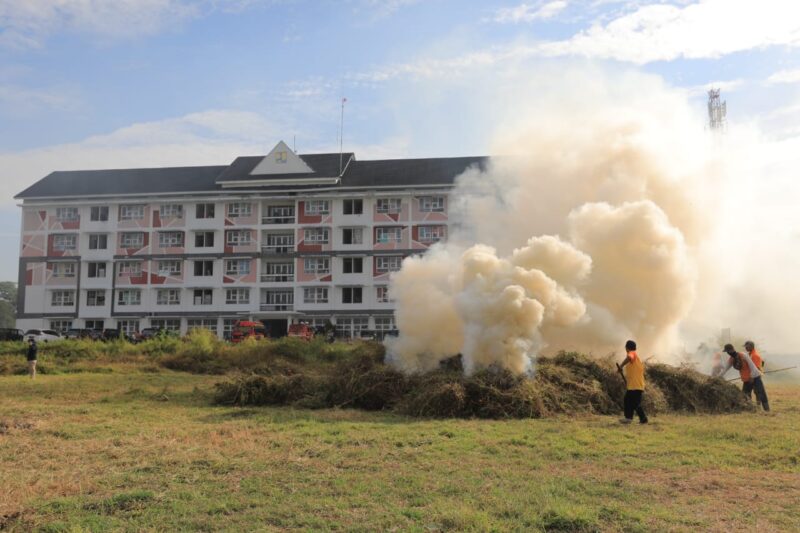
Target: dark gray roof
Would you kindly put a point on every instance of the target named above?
(323, 165)
(409, 172)
(124, 181)
(380, 173)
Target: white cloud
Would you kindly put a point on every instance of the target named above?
(706, 29)
(530, 12)
(784, 76)
(17, 100)
(660, 32)
(378, 9)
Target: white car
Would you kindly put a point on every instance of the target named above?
(43, 335)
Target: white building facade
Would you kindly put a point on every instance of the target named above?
(280, 238)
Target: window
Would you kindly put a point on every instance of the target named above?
(277, 272)
(316, 235)
(432, 233)
(95, 324)
(131, 240)
(351, 327)
(204, 268)
(129, 297)
(315, 295)
(98, 241)
(204, 211)
(351, 295)
(168, 324)
(63, 270)
(169, 268)
(128, 327)
(63, 298)
(281, 156)
(354, 206)
(384, 323)
(353, 265)
(131, 212)
(227, 327)
(168, 297)
(385, 264)
(279, 214)
(277, 300)
(96, 270)
(95, 298)
(60, 325)
(130, 268)
(237, 267)
(202, 323)
(171, 211)
(67, 214)
(63, 242)
(317, 207)
(385, 235)
(352, 236)
(388, 205)
(170, 239)
(98, 213)
(317, 265)
(237, 296)
(279, 243)
(382, 294)
(203, 296)
(240, 237)
(428, 204)
(239, 209)
(204, 239)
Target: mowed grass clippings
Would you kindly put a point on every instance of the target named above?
(141, 451)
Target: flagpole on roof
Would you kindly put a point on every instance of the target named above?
(341, 136)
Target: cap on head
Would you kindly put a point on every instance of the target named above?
(728, 348)
(630, 346)
(749, 344)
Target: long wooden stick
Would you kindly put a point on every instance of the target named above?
(768, 372)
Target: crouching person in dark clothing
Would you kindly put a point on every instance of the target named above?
(32, 355)
(634, 380)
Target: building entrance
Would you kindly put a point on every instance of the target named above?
(276, 327)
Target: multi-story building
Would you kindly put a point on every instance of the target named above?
(278, 238)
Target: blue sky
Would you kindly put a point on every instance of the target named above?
(122, 83)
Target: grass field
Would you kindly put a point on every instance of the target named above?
(127, 450)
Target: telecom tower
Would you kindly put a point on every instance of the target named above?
(717, 112)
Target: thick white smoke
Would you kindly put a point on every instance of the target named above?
(599, 221)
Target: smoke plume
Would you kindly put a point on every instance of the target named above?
(597, 221)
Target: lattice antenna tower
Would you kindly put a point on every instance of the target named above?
(717, 112)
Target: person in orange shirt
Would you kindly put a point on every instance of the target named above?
(756, 383)
(634, 381)
(748, 372)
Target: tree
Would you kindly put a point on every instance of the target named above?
(8, 304)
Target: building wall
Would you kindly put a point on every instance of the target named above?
(131, 248)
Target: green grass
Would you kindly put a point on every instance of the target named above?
(148, 451)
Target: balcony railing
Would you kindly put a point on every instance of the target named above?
(277, 278)
(277, 307)
(287, 219)
(277, 248)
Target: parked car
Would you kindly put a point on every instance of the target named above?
(303, 331)
(77, 333)
(110, 334)
(43, 335)
(11, 334)
(245, 329)
(149, 333)
(95, 334)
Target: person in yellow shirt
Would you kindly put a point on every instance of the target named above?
(634, 380)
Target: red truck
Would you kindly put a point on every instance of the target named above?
(245, 329)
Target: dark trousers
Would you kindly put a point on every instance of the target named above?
(633, 402)
(756, 385)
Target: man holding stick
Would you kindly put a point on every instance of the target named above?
(634, 382)
(748, 370)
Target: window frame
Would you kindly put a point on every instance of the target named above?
(398, 230)
(325, 237)
(98, 296)
(131, 212)
(431, 204)
(97, 237)
(237, 292)
(352, 295)
(320, 207)
(62, 211)
(356, 206)
(98, 213)
(69, 242)
(127, 235)
(388, 208)
(129, 297)
(204, 209)
(171, 297)
(239, 209)
(315, 295)
(326, 261)
(62, 298)
(170, 211)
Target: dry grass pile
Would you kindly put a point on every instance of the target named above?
(566, 384)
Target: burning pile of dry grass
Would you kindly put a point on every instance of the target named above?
(566, 384)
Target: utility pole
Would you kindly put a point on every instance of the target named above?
(341, 136)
